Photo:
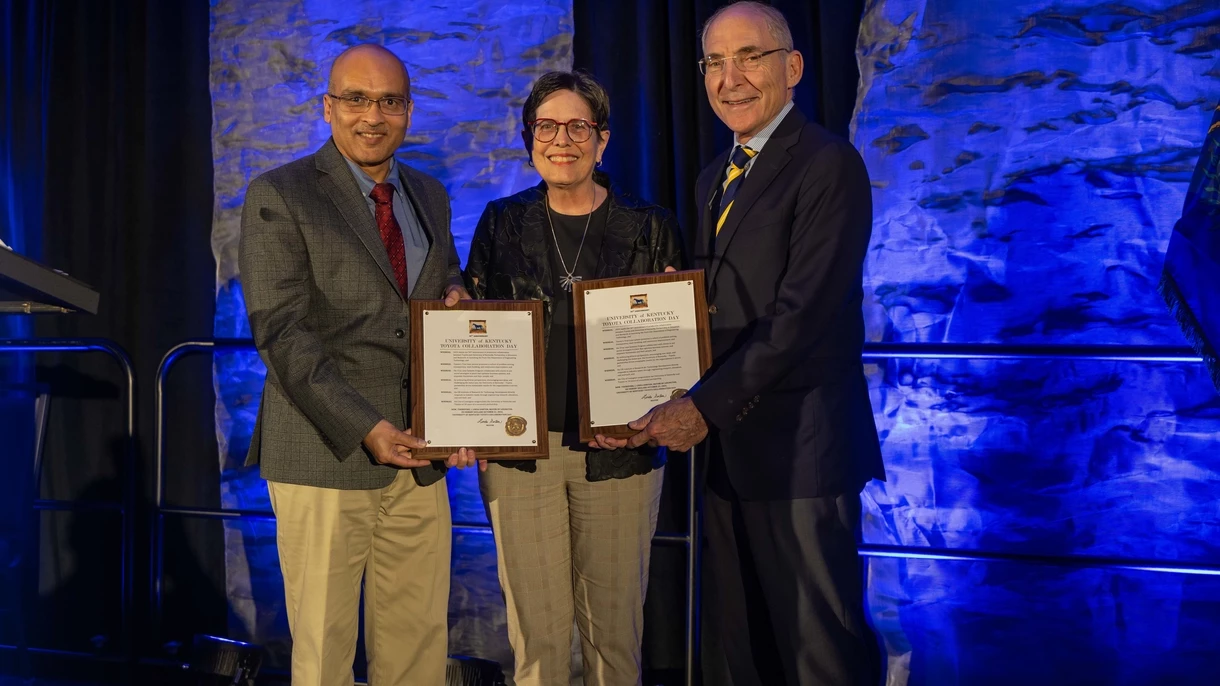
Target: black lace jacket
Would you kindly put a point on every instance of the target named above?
(510, 260)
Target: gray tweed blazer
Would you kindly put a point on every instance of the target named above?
(329, 321)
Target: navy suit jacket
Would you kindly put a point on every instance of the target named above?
(786, 398)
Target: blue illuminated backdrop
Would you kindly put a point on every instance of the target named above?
(1029, 159)
(471, 65)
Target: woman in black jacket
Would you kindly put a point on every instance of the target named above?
(573, 532)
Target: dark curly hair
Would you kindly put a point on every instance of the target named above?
(578, 82)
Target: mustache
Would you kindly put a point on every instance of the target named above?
(373, 129)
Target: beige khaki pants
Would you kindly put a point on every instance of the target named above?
(398, 540)
(569, 549)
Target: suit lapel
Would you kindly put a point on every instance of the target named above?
(415, 195)
(708, 195)
(765, 168)
(340, 186)
(438, 250)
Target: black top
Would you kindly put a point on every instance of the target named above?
(511, 259)
(562, 411)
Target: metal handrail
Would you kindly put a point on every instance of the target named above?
(126, 505)
(268, 515)
(1083, 561)
(161, 509)
(989, 351)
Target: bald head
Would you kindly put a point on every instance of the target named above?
(755, 67)
(368, 107)
(365, 58)
(772, 18)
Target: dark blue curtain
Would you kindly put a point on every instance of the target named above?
(105, 173)
(23, 72)
(23, 82)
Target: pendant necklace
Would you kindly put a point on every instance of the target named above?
(568, 277)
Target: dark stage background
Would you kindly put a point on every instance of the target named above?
(106, 172)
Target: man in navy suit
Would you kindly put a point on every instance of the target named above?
(786, 219)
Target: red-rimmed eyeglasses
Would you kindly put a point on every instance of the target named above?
(545, 130)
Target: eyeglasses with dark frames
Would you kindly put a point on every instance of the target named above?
(391, 105)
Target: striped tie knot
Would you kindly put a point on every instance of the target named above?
(732, 181)
(741, 156)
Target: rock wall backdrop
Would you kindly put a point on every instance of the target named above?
(1029, 159)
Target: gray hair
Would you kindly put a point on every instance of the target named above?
(777, 25)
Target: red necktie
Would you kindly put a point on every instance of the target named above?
(391, 232)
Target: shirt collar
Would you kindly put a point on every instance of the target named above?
(760, 139)
(366, 182)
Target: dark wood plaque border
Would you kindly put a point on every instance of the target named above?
(582, 345)
(419, 309)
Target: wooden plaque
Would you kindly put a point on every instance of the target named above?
(466, 370)
(640, 341)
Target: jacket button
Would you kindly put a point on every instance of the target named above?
(711, 309)
(399, 333)
(406, 384)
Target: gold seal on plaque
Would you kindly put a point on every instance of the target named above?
(678, 393)
(515, 426)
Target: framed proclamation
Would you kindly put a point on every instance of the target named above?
(640, 341)
(477, 378)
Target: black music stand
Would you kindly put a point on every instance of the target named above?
(27, 287)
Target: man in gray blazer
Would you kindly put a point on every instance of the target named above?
(332, 247)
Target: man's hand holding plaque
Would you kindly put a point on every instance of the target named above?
(641, 343)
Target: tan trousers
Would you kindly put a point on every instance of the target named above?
(398, 540)
(569, 549)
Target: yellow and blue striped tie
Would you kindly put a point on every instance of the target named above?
(737, 170)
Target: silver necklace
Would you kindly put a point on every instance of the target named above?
(568, 277)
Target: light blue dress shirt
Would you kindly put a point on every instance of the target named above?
(759, 140)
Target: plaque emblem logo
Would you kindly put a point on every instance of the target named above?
(515, 426)
(478, 327)
(639, 302)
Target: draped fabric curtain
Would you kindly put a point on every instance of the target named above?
(105, 173)
(22, 80)
(23, 74)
